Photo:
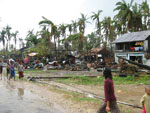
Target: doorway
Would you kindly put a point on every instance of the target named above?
(137, 59)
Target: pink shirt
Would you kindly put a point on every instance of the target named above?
(109, 90)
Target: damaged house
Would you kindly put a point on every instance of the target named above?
(133, 46)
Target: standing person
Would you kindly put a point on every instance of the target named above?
(20, 70)
(12, 70)
(1, 68)
(7, 68)
(145, 100)
(109, 104)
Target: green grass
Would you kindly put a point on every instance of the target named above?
(100, 81)
(32, 71)
(77, 96)
(87, 99)
(93, 81)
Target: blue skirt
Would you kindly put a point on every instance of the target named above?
(12, 73)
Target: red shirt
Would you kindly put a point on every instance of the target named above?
(37, 62)
(109, 90)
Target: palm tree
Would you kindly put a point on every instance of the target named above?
(137, 18)
(109, 30)
(75, 39)
(21, 43)
(47, 24)
(57, 34)
(54, 33)
(69, 28)
(124, 15)
(96, 16)
(145, 13)
(62, 28)
(15, 37)
(32, 38)
(2, 37)
(92, 41)
(45, 34)
(74, 25)
(82, 25)
(8, 35)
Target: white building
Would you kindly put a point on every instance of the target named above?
(133, 46)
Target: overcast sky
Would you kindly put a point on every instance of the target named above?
(24, 15)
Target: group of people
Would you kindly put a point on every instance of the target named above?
(110, 104)
(10, 69)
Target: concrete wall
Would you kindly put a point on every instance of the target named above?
(127, 55)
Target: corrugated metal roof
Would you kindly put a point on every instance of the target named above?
(134, 36)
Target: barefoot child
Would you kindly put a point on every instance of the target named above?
(8, 69)
(12, 70)
(145, 100)
(20, 70)
(1, 68)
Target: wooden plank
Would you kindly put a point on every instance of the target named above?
(54, 77)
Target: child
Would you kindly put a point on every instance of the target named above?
(145, 100)
(1, 68)
(20, 70)
(8, 68)
(12, 70)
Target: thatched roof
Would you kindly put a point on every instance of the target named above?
(96, 50)
(132, 37)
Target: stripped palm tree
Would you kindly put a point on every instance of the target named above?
(3, 37)
(108, 30)
(137, 18)
(145, 10)
(82, 25)
(47, 24)
(15, 38)
(62, 28)
(8, 35)
(96, 16)
(69, 28)
(74, 25)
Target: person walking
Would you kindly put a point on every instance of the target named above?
(109, 104)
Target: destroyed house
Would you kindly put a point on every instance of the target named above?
(133, 46)
(98, 54)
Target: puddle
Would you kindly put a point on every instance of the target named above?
(17, 99)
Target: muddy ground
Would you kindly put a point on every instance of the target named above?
(126, 93)
(19, 97)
